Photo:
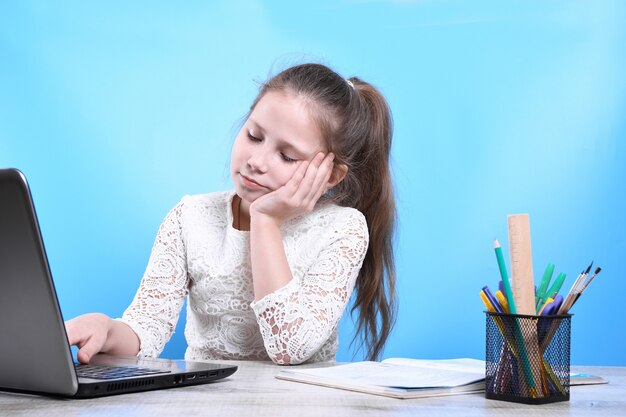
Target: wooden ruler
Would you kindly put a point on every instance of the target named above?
(523, 287)
(522, 282)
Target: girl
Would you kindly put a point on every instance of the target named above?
(270, 267)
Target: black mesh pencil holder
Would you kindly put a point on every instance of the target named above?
(527, 358)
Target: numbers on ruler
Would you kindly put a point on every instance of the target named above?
(521, 263)
(515, 243)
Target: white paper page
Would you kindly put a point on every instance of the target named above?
(460, 365)
(389, 375)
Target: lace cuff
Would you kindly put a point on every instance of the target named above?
(141, 335)
(269, 299)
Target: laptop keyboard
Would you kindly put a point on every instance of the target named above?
(114, 372)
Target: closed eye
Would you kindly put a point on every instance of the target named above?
(253, 138)
(288, 159)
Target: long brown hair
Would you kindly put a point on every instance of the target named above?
(355, 121)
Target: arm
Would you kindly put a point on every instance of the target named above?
(270, 269)
(292, 330)
(149, 321)
(154, 312)
(299, 318)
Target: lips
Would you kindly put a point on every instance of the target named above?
(251, 183)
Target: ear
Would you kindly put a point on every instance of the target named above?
(338, 174)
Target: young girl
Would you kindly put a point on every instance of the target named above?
(270, 267)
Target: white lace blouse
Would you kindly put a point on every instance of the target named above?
(197, 253)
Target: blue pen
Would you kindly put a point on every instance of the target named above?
(494, 301)
(549, 310)
(553, 308)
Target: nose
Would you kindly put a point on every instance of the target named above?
(259, 160)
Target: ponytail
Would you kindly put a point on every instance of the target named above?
(375, 287)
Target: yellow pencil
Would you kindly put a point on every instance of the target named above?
(503, 302)
(488, 304)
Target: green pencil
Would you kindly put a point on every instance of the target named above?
(505, 277)
(556, 286)
(518, 331)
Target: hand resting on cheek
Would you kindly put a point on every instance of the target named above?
(300, 194)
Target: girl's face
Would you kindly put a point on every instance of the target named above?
(278, 134)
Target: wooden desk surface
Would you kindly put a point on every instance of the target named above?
(253, 391)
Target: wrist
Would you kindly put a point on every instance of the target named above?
(262, 220)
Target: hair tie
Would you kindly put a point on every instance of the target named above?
(350, 83)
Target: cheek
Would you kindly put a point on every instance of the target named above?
(284, 172)
(238, 151)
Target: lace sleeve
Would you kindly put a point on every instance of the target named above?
(297, 319)
(154, 312)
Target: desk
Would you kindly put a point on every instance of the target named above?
(253, 391)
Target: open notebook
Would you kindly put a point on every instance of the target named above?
(398, 377)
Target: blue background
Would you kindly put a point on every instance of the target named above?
(114, 111)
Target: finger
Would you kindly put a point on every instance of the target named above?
(75, 335)
(302, 193)
(309, 189)
(319, 159)
(320, 182)
(88, 342)
(72, 334)
(296, 179)
(318, 191)
(83, 357)
(92, 346)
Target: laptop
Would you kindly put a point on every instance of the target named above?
(35, 355)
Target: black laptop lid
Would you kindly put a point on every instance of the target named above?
(34, 351)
